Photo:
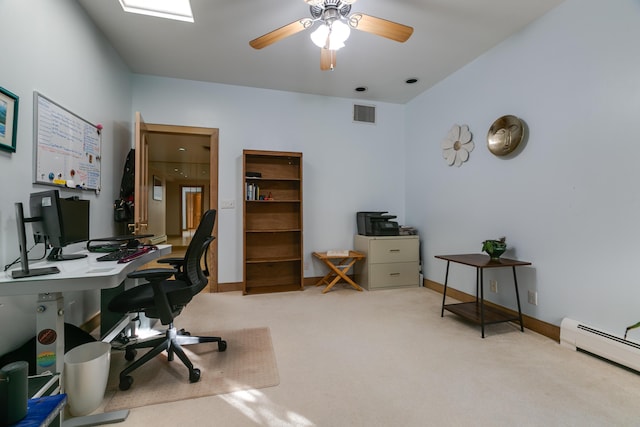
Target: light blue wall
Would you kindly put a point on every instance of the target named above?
(53, 48)
(569, 201)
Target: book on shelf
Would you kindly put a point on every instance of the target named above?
(252, 191)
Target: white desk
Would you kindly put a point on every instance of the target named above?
(75, 275)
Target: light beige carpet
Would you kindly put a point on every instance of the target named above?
(248, 363)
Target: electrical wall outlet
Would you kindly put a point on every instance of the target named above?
(533, 297)
(493, 285)
(227, 204)
(306, 265)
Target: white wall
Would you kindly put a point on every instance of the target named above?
(347, 167)
(53, 48)
(569, 201)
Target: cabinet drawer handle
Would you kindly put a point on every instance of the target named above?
(394, 250)
(394, 274)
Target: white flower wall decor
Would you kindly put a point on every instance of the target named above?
(457, 145)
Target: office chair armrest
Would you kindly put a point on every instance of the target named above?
(175, 261)
(153, 274)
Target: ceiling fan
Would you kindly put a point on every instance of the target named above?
(335, 26)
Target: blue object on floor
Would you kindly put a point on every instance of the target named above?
(42, 410)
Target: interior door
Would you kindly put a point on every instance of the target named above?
(141, 189)
(192, 207)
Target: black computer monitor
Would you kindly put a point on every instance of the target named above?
(26, 271)
(62, 222)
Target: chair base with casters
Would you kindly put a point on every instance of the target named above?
(164, 299)
(171, 342)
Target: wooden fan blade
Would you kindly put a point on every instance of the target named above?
(380, 27)
(279, 34)
(327, 59)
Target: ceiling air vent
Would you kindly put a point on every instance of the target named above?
(364, 113)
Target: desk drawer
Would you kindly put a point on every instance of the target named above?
(393, 250)
(393, 275)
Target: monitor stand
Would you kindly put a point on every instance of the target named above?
(57, 255)
(17, 274)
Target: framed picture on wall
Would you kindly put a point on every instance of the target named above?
(8, 120)
(157, 188)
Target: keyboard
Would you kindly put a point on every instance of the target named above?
(126, 254)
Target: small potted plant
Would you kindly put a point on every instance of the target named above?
(495, 248)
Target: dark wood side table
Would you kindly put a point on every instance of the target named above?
(477, 311)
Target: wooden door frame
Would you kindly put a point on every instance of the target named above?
(213, 134)
(141, 178)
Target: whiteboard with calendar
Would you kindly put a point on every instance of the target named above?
(67, 147)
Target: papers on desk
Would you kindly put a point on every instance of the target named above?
(341, 252)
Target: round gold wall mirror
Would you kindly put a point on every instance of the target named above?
(505, 134)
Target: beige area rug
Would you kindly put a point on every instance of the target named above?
(248, 363)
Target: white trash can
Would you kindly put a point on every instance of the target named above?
(86, 371)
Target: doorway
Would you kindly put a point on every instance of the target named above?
(185, 159)
(191, 209)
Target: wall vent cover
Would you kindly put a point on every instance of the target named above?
(364, 113)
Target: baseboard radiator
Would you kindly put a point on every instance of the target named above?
(578, 336)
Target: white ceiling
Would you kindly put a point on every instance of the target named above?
(447, 35)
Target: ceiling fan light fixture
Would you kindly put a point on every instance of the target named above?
(340, 31)
(331, 37)
(179, 10)
(335, 22)
(319, 36)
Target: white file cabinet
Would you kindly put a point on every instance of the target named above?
(391, 262)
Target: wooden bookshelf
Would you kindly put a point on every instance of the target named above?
(272, 225)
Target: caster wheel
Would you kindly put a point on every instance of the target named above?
(222, 345)
(194, 375)
(130, 354)
(125, 383)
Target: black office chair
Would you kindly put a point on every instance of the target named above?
(164, 299)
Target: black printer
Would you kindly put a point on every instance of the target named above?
(377, 224)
